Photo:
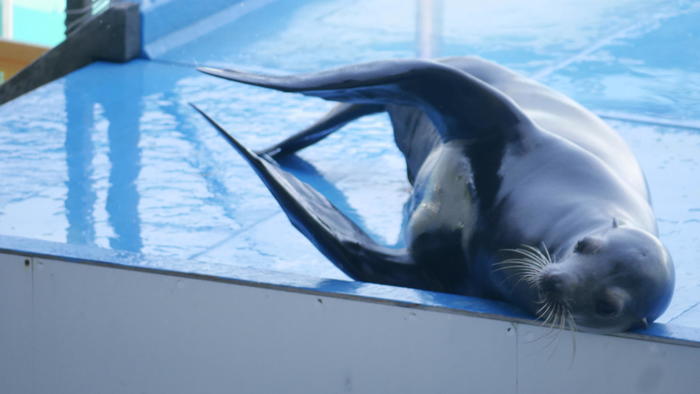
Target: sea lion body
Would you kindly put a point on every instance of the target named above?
(518, 193)
(557, 181)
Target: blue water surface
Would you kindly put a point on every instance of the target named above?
(113, 156)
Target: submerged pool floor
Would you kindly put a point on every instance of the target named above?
(113, 156)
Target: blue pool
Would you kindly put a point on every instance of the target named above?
(113, 157)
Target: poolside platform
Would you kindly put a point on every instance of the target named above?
(140, 253)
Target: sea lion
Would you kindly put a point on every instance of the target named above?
(519, 193)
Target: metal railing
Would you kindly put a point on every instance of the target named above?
(79, 11)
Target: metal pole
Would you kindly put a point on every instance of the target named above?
(6, 19)
(428, 27)
(424, 28)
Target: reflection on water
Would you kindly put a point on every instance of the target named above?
(122, 110)
(81, 196)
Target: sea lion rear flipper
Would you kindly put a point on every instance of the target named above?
(460, 105)
(336, 236)
(336, 118)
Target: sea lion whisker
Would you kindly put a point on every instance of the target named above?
(530, 282)
(528, 267)
(558, 322)
(550, 314)
(536, 252)
(546, 251)
(542, 317)
(571, 320)
(553, 316)
(562, 318)
(532, 277)
(545, 255)
(541, 310)
(557, 314)
(572, 323)
(514, 262)
(528, 275)
(518, 268)
(525, 258)
(536, 259)
(519, 259)
(531, 248)
(547, 313)
(549, 331)
(521, 273)
(562, 323)
(524, 249)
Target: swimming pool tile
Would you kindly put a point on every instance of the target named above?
(273, 245)
(292, 36)
(650, 72)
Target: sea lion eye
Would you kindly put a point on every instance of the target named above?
(588, 245)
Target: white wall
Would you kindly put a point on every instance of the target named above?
(6, 19)
(83, 328)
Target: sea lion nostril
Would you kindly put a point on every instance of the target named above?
(552, 285)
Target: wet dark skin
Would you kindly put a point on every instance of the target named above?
(519, 193)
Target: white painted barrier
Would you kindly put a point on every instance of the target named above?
(80, 327)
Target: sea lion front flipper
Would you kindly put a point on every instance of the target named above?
(458, 104)
(336, 236)
(336, 118)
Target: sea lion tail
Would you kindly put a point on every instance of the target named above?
(458, 104)
(336, 118)
(336, 236)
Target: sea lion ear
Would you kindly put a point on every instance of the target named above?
(588, 245)
(617, 223)
(644, 323)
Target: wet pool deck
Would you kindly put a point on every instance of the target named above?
(111, 163)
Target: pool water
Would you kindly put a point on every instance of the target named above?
(112, 155)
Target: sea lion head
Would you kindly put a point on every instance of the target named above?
(611, 281)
